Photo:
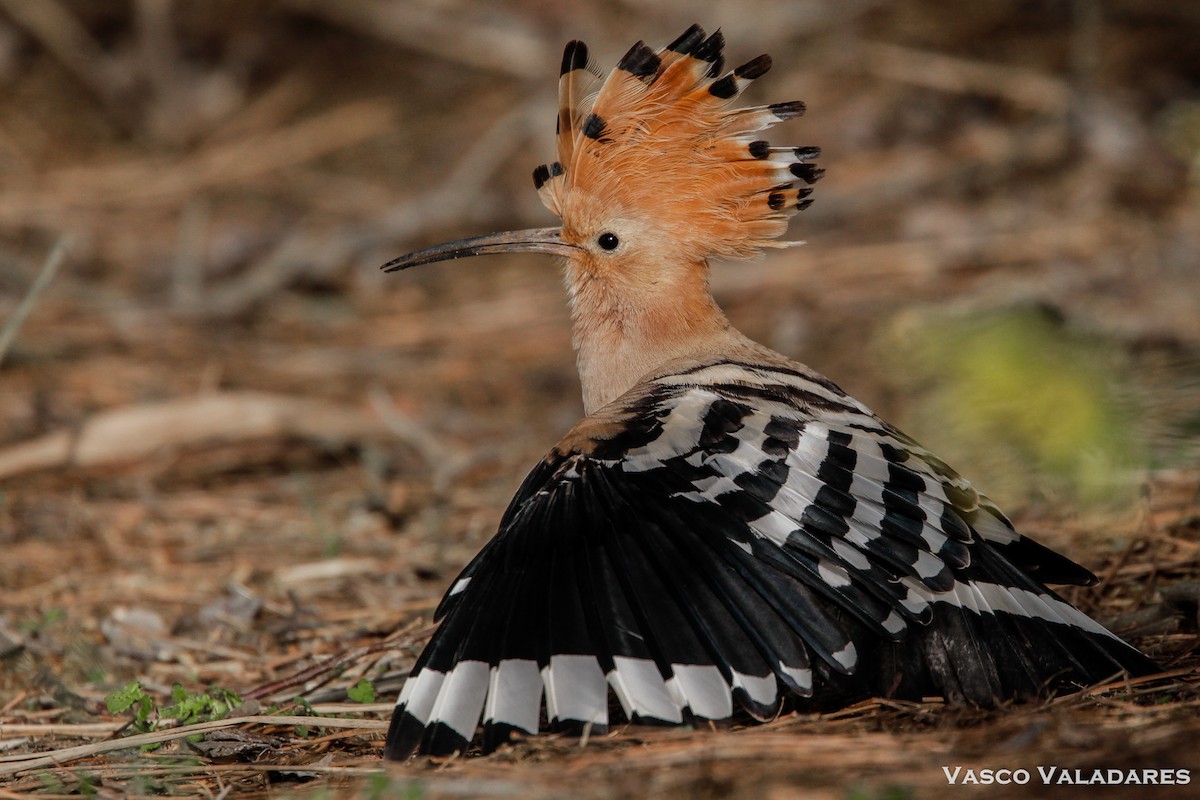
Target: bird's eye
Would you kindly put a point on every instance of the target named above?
(608, 241)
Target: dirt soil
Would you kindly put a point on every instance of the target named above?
(237, 458)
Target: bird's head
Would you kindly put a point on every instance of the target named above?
(657, 171)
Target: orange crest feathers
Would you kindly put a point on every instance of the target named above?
(660, 139)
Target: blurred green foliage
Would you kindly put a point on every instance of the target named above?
(362, 692)
(1022, 405)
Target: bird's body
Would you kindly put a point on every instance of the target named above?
(726, 529)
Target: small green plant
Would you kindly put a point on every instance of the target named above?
(362, 692)
(133, 698)
(51, 784)
(87, 784)
(188, 707)
(303, 709)
(192, 707)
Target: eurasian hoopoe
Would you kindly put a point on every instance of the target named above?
(725, 528)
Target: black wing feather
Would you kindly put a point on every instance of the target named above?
(712, 554)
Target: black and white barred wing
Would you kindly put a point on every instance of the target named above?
(731, 543)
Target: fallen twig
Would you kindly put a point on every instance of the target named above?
(8, 334)
(124, 435)
(11, 765)
(62, 728)
(313, 676)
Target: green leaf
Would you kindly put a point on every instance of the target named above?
(123, 699)
(362, 692)
(191, 707)
(145, 707)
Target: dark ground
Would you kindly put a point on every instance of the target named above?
(231, 449)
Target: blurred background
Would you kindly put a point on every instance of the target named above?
(1009, 217)
(215, 395)
(1002, 257)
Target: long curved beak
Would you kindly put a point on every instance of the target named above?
(535, 240)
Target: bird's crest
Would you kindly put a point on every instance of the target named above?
(660, 137)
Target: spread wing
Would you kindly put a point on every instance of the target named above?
(730, 536)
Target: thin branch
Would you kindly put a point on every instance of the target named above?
(63, 728)
(445, 460)
(308, 253)
(1022, 86)
(11, 765)
(151, 181)
(513, 48)
(72, 44)
(12, 327)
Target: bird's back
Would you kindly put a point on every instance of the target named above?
(729, 535)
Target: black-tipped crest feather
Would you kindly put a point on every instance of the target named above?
(641, 62)
(724, 88)
(788, 110)
(711, 48)
(593, 126)
(688, 41)
(754, 68)
(575, 56)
